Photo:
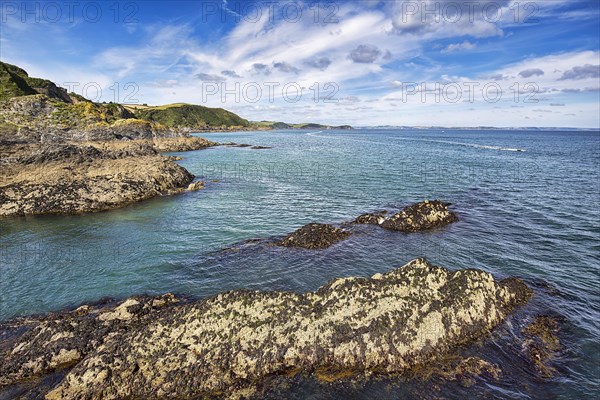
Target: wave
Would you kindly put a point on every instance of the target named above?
(480, 146)
(475, 145)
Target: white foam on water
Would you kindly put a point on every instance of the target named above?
(475, 145)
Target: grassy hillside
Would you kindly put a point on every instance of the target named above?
(183, 115)
(65, 111)
(283, 125)
(13, 82)
(33, 107)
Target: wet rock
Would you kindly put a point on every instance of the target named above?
(194, 186)
(376, 218)
(542, 344)
(314, 236)
(227, 345)
(420, 216)
(466, 371)
(260, 147)
(233, 144)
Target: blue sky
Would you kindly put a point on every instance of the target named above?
(451, 63)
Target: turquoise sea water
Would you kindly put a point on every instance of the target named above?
(533, 214)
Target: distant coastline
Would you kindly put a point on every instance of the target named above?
(478, 128)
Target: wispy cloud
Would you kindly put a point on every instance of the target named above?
(365, 58)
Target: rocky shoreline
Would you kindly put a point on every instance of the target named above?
(71, 178)
(62, 154)
(227, 345)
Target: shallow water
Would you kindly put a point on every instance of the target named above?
(532, 213)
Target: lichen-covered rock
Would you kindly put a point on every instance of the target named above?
(228, 344)
(420, 216)
(542, 344)
(314, 236)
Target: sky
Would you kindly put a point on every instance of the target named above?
(453, 63)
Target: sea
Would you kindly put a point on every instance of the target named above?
(528, 204)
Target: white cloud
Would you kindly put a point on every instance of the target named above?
(368, 55)
(466, 45)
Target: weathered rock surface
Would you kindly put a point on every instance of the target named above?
(182, 143)
(48, 179)
(375, 218)
(417, 217)
(542, 344)
(41, 119)
(227, 344)
(314, 236)
(195, 186)
(60, 340)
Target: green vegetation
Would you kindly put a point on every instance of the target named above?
(64, 110)
(190, 116)
(13, 82)
(283, 125)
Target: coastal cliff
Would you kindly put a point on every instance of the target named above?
(63, 154)
(38, 110)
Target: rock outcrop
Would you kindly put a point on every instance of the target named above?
(182, 143)
(41, 119)
(416, 217)
(69, 179)
(227, 344)
(314, 236)
(195, 186)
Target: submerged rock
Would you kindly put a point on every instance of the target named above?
(228, 344)
(233, 144)
(465, 371)
(542, 344)
(420, 216)
(314, 236)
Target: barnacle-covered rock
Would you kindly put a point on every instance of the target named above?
(314, 236)
(420, 216)
(375, 218)
(226, 345)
